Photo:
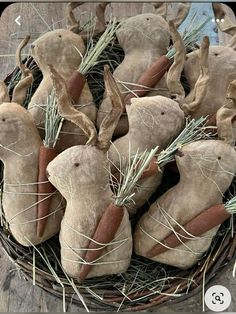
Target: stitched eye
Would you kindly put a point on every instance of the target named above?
(76, 164)
(216, 54)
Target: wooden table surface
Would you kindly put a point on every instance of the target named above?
(16, 294)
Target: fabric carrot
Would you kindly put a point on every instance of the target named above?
(75, 85)
(46, 155)
(211, 121)
(151, 170)
(208, 219)
(104, 233)
(151, 76)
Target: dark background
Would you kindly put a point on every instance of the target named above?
(3, 5)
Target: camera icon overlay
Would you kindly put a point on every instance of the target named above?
(217, 298)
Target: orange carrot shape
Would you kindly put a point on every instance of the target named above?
(45, 188)
(208, 219)
(149, 171)
(104, 233)
(75, 85)
(91, 219)
(150, 77)
(47, 152)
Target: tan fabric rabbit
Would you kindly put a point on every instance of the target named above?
(80, 174)
(144, 38)
(60, 48)
(206, 171)
(19, 150)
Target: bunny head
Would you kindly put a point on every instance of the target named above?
(143, 30)
(87, 164)
(210, 159)
(64, 47)
(57, 45)
(16, 123)
(154, 117)
(150, 29)
(77, 166)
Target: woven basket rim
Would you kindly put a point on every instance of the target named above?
(112, 299)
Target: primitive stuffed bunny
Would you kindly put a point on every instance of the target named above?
(157, 120)
(60, 48)
(153, 121)
(19, 150)
(144, 38)
(206, 169)
(87, 191)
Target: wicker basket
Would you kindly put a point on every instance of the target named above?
(118, 292)
(106, 297)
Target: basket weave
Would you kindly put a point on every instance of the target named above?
(105, 295)
(221, 256)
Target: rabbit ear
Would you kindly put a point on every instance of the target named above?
(4, 95)
(201, 85)
(173, 77)
(100, 22)
(111, 120)
(68, 111)
(182, 12)
(72, 24)
(19, 92)
(174, 73)
(161, 8)
(224, 23)
(226, 115)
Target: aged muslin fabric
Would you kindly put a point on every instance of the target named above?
(206, 171)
